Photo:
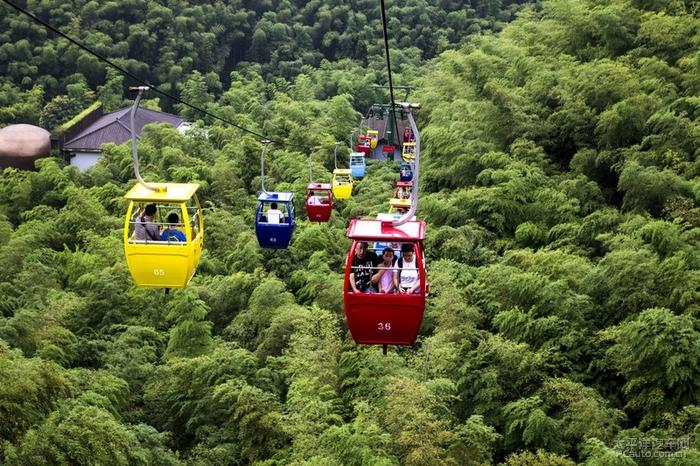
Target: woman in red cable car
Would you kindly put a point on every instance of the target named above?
(385, 318)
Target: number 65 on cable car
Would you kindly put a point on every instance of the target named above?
(385, 318)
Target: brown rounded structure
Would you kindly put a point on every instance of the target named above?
(22, 145)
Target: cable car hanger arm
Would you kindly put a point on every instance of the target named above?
(266, 143)
(134, 150)
(408, 107)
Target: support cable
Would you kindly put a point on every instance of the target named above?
(142, 81)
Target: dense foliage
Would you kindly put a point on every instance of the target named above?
(561, 192)
(169, 43)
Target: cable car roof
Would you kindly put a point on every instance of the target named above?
(403, 203)
(319, 186)
(172, 192)
(357, 154)
(342, 171)
(369, 229)
(404, 184)
(275, 197)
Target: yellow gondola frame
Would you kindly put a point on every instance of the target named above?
(342, 189)
(164, 264)
(409, 152)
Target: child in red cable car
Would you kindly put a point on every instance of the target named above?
(406, 278)
(364, 274)
(387, 279)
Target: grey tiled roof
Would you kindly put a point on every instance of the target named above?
(114, 127)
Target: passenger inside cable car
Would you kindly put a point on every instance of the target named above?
(402, 192)
(146, 224)
(272, 215)
(387, 280)
(406, 277)
(342, 180)
(171, 232)
(364, 274)
(145, 228)
(374, 268)
(408, 134)
(319, 198)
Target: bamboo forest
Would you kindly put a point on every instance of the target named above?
(288, 232)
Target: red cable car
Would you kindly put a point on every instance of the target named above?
(380, 318)
(364, 144)
(403, 189)
(319, 202)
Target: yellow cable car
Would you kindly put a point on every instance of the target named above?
(399, 205)
(409, 152)
(373, 138)
(161, 250)
(342, 183)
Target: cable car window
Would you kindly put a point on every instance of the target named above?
(193, 212)
(319, 197)
(274, 213)
(157, 223)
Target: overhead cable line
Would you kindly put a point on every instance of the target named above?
(392, 115)
(141, 80)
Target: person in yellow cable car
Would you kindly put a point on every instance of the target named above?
(146, 229)
(172, 233)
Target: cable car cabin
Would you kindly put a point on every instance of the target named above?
(364, 144)
(319, 202)
(405, 172)
(403, 189)
(399, 206)
(385, 318)
(342, 183)
(357, 164)
(373, 135)
(408, 134)
(274, 219)
(163, 234)
(409, 152)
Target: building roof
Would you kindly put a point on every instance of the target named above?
(114, 127)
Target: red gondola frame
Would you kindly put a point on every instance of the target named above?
(385, 319)
(319, 212)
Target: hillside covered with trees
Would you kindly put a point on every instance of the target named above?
(560, 188)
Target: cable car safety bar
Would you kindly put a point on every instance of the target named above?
(134, 152)
(407, 107)
(265, 142)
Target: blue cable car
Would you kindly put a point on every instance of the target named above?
(405, 172)
(357, 164)
(274, 219)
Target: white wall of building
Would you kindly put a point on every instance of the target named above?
(84, 160)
